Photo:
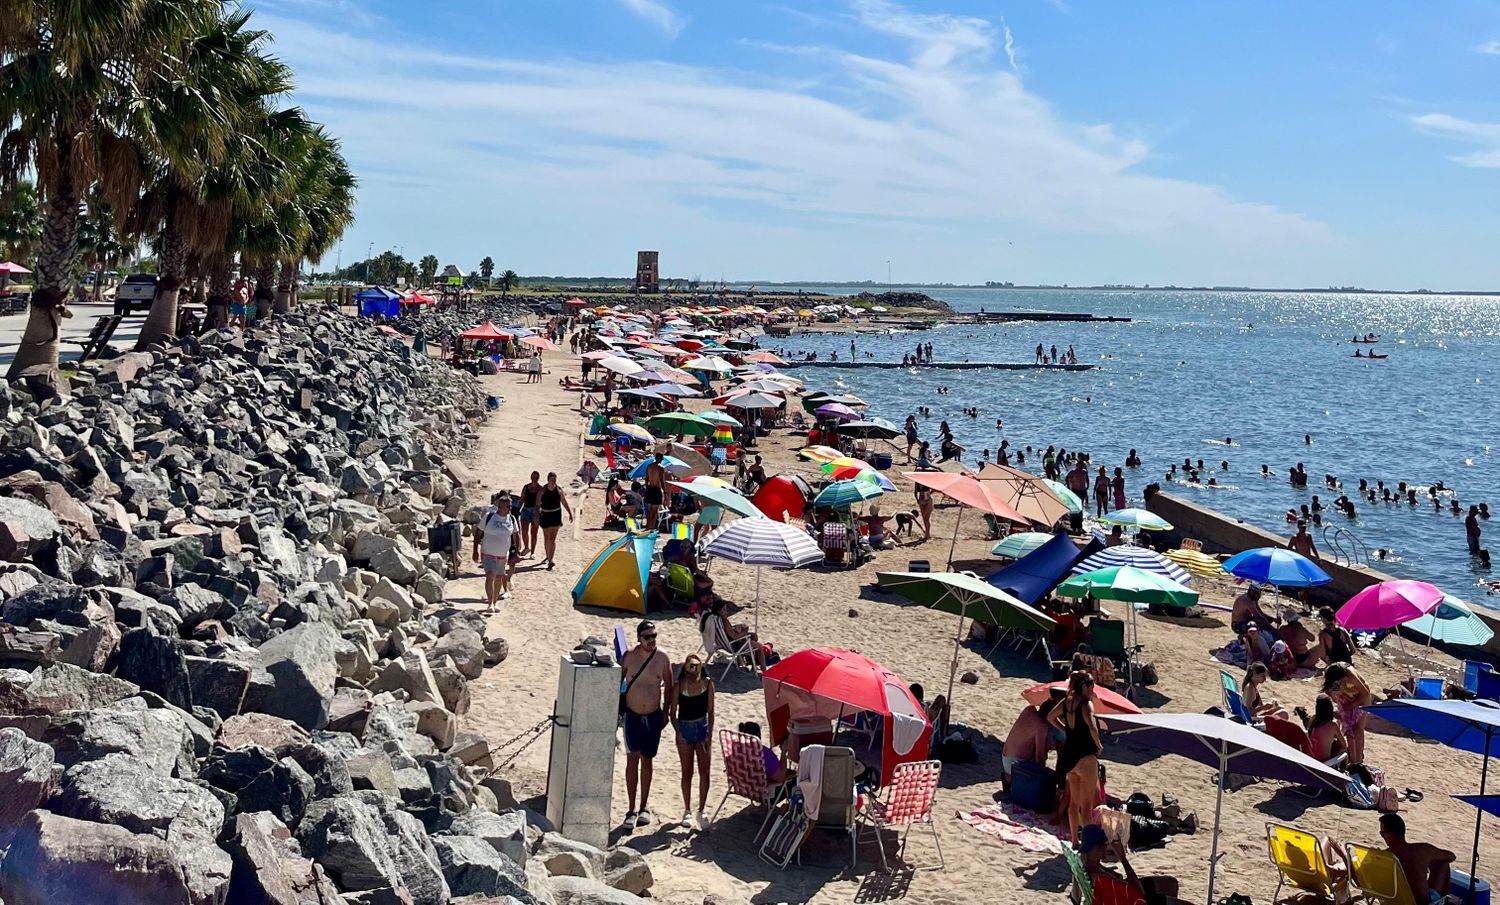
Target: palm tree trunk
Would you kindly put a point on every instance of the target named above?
(286, 288)
(265, 278)
(54, 266)
(171, 264)
(218, 294)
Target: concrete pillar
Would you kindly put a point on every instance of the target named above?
(581, 772)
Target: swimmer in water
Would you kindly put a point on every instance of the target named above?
(1307, 439)
(1224, 465)
(1265, 470)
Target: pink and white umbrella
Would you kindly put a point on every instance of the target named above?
(1389, 604)
(9, 267)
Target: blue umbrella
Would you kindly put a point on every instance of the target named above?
(1131, 555)
(1273, 565)
(672, 464)
(1466, 725)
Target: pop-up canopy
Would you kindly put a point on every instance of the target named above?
(486, 330)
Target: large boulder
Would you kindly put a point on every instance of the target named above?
(473, 867)
(269, 868)
(26, 778)
(626, 869)
(63, 686)
(56, 859)
(465, 647)
(156, 664)
(366, 845)
(159, 738)
(282, 737)
(261, 782)
(26, 529)
(505, 833)
(299, 672)
(583, 891)
(409, 673)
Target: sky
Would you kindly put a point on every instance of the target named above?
(1352, 142)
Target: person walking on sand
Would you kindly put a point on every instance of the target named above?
(551, 504)
(1101, 493)
(924, 509)
(646, 682)
(691, 713)
(656, 488)
(497, 547)
(530, 494)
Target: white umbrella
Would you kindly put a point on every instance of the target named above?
(755, 401)
(620, 365)
(762, 542)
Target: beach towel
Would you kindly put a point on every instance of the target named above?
(1015, 826)
(810, 780)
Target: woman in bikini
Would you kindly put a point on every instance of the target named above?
(1077, 759)
(691, 712)
(1351, 694)
(551, 503)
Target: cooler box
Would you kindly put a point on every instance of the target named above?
(881, 461)
(1458, 885)
(1033, 787)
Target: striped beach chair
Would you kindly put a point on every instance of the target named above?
(908, 801)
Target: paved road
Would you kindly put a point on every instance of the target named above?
(75, 329)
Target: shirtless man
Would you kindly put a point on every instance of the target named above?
(1302, 542)
(646, 682)
(1426, 866)
(1247, 613)
(656, 483)
(1029, 738)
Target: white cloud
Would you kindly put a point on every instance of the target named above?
(936, 142)
(1486, 135)
(1010, 44)
(1490, 47)
(658, 14)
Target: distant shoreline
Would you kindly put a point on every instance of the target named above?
(1110, 288)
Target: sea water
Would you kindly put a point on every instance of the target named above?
(1262, 370)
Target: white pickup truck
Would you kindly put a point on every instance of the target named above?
(136, 293)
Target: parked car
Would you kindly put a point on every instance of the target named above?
(136, 293)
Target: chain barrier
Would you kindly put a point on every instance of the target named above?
(523, 740)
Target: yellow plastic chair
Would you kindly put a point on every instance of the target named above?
(1299, 860)
(1376, 875)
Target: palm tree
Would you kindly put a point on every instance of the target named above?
(487, 268)
(429, 269)
(20, 222)
(508, 281)
(321, 208)
(73, 81)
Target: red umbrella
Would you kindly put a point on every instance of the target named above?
(1106, 702)
(485, 330)
(576, 303)
(970, 491)
(826, 684)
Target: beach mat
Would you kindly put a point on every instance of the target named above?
(1016, 826)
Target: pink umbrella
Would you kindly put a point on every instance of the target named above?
(9, 267)
(1388, 604)
(540, 342)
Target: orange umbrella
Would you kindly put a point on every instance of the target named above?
(770, 358)
(967, 490)
(1106, 702)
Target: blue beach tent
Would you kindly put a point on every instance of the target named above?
(1034, 575)
(378, 301)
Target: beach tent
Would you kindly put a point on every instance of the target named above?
(1034, 575)
(616, 578)
(782, 497)
(486, 330)
(378, 302)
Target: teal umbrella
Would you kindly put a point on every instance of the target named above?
(844, 494)
(719, 419)
(1144, 519)
(1070, 498)
(1018, 545)
(720, 496)
(1128, 584)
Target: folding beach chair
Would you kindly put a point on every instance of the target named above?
(908, 801)
(716, 643)
(1298, 858)
(680, 581)
(835, 543)
(828, 804)
(1234, 702)
(1376, 875)
(745, 775)
(1472, 671)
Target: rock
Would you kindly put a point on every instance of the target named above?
(156, 664)
(505, 797)
(409, 673)
(282, 737)
(495, 651)
(93, 647)
(261, 782)
(505, 833)
(393, 594)
(554, 843)
(372, 770)
(26, 778)
(429, 587)
(568, 864)
(473, 867)
(56, 859)
(350, 712)
(969, 678)
(626, 869)
(583, 891)
(269, 868)
(465, 648)
(366, 848)
(454, 689)
(302, 671)
(472, 749)
(158, 738)
(26, 529)
(28, 647)
(435, 722)
(853, 613)
(75, 688)
(217, 684)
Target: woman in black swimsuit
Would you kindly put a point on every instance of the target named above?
(691, 713)
(1077, 759)
(551, 503)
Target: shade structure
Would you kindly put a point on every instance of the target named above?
(836, 410)
(633, 431)
(1466, 725)
(1128, 584)
(1276, 566)
(696, 462)
(1034, 575)
(672, 390)
(755, 401)
(672, 464)
(866, 475)
(719, 419)
(1228, 747)
(846, 494)
(1453, 622)
(872, 428)
(1144, 519)
(616, 577)
(620, 365)
(841, 462)
(708, 480)
(540, 342)
(1018, 545)
(765, 385)
(597, 355)
(486, 330)
(1069, 498)
(1027, 493)
(770, 358)
(967, 490)
(965, 596)
(1132, 555)
(759, 542)
(10, 267)
(711, 363)
(1389, 604)
(1198, 563)
(576, 303)
(827, 684)
(1107, 702)
(783, 497)
(679, 423)
(819, 454)
(644, 393)
(723, 497)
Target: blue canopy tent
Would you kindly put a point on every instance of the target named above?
(378, 301)
(1034, 575)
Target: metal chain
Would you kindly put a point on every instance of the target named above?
(526, 738)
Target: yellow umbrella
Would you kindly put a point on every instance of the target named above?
(1198, 563)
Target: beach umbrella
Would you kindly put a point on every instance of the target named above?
(969, 491)
(719, 419)
(1027, 493)
(826, 683)
(1453, 622)
(755, 401)
(1131, 555)
(820, 454)
(723, 497)
(764, 385)
(12, 268)
(644, 393)
(597, 355)
(844, 494)
(1107, 702)
(867, 476)
(1144, 519)
(1228, 747)
(672, 464)
(1069, 498)
(851, 401)
(1389, 604)
(965, 596)
(1466, 725)
(708, 480)
(872, 428)
(633, 431)
(837, 410)
(1276, 566)
(709, 363)
(833, 465)
(1128, 584)
(696, 462)
(674, 390)
(680, 423)
(1197, 563)
(1019, 544)
(620, 365)
(770, 358)
(762, 542)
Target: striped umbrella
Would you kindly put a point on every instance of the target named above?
(759, 541)
(1128, 584)
(1018, 545)
(844, 494)
(1131, 555)
(1198, 563)
(633, 431)
(820, 453)
(1453, 622)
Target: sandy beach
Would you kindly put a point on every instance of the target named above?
(538, 428)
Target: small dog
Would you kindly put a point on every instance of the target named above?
(906, 523)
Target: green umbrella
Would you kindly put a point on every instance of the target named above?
(844, 494)
(1018, 545)
(720, 496)
(1064, 494)
(1144, 519)
(1128, 584)
(679, 423)
(965, 595)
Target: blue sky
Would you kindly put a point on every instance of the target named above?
(1273, 144)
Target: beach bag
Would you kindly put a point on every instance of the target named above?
(1358, 795)
(1386, 800)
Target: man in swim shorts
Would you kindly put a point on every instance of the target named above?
(656, 482)
(646, 682)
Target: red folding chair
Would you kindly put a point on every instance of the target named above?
(745, 770)
(908, 801)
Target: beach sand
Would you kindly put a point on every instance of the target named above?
(538, 428)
